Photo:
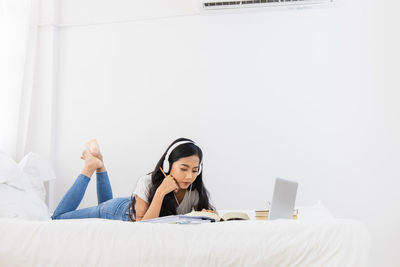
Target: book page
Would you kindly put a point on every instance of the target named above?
(180, 219)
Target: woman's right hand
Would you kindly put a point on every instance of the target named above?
(168, 185)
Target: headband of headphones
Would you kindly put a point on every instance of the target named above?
(166, 166)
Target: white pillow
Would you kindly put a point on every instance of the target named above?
(35, 165)
(11, 173)
(38, 170)
(315, 212)
(22, 191)
(16, 203)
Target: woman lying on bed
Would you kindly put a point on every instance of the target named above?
(174, 187)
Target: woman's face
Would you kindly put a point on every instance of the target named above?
(185, 170)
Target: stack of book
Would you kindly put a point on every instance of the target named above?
(263, 214)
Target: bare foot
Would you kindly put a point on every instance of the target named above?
(91, 163)
(93, 147)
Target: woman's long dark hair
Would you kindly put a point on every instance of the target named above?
(169, 204)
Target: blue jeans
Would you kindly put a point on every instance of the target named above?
(107, 208)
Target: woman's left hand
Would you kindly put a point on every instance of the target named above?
(212, 211)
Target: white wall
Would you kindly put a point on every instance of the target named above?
(309, 95)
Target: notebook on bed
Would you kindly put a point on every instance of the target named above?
(180, 219)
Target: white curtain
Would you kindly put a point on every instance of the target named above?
(18, 48)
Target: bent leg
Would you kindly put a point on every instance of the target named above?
(91, 212)
(104, 191)
(73, 197)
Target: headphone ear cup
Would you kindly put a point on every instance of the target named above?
(166, 165)
(200, 168)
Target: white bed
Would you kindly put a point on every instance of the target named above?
(29, 238)
(98, 242)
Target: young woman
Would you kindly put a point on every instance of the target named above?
(174, 187)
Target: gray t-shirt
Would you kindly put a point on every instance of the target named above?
(190, 199)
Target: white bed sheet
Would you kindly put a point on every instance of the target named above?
(98, 242)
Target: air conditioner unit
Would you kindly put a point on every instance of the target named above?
(226, 4)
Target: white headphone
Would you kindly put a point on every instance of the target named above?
(166, 166)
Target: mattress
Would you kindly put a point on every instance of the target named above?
(99, 242)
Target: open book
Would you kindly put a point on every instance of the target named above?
(229, 216)
(197, 217)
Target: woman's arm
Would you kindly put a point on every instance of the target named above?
(144, 211)
(141, 208)
(213, 211)
(153, 211)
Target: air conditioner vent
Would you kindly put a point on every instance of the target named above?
(224, 4)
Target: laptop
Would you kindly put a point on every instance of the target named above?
(283, 199)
